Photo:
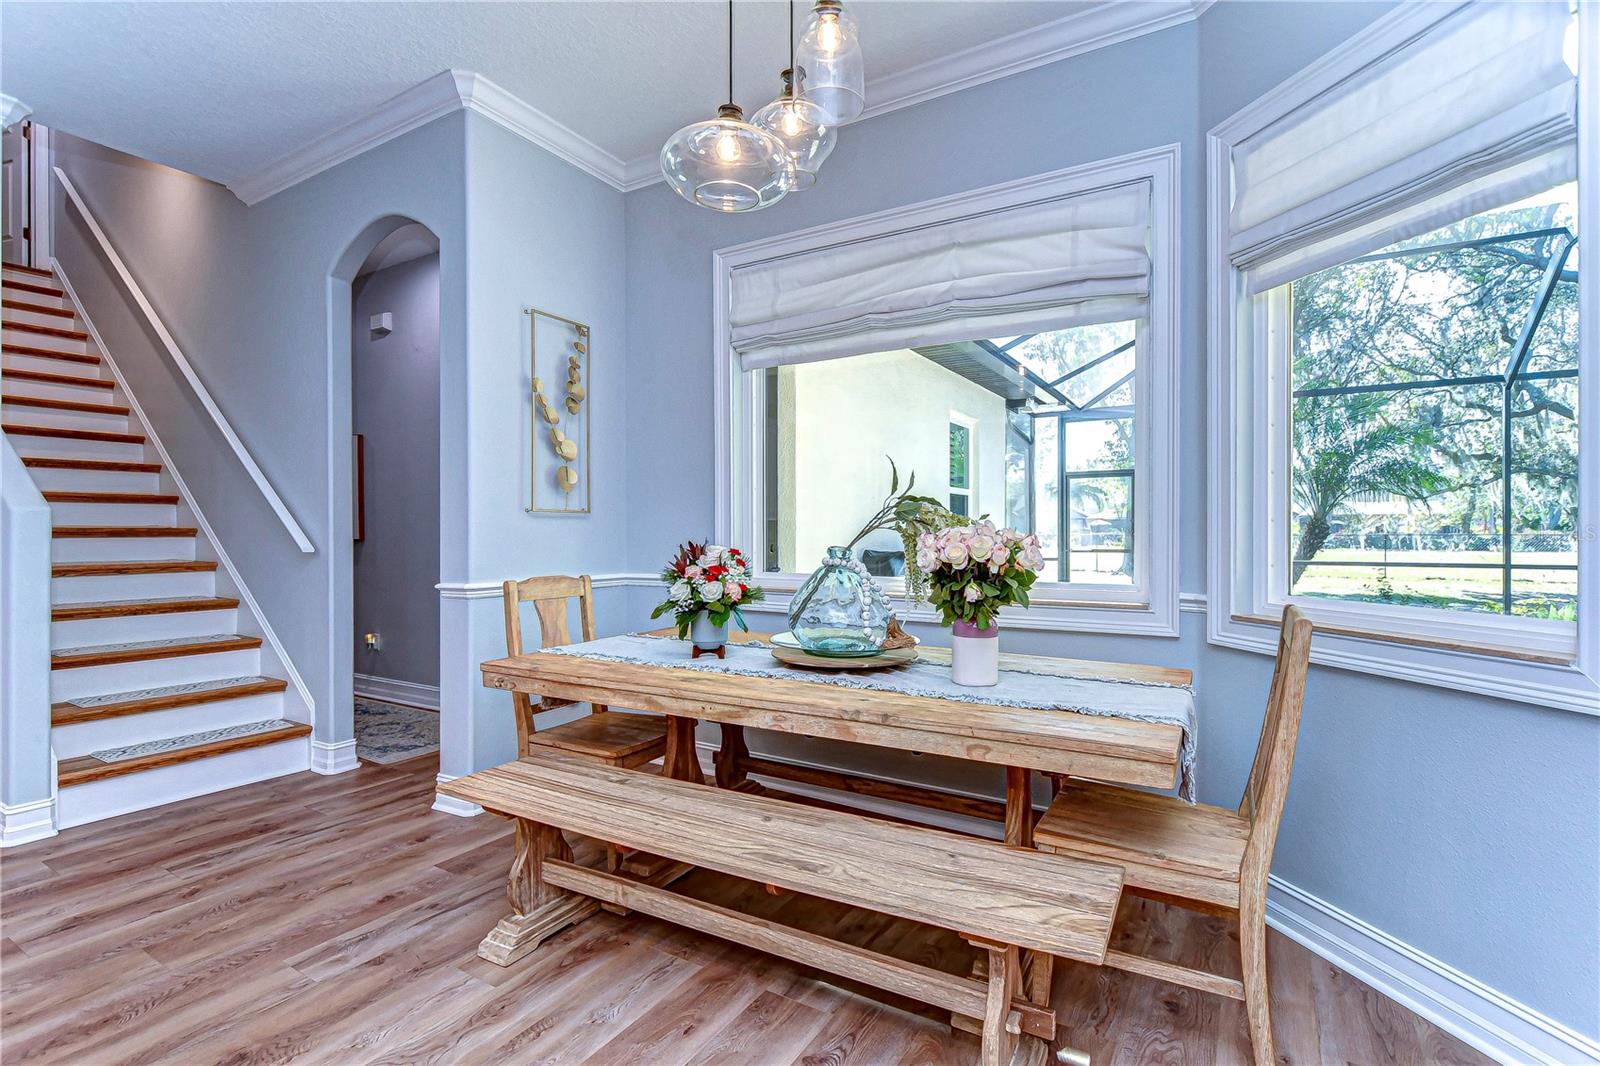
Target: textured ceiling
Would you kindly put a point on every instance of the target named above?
(224, 89)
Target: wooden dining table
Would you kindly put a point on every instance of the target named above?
(1022, 741)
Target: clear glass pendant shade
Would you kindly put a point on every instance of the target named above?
(830, 55)
(727, 164)
(806, 130)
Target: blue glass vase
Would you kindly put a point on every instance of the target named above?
(840, 610)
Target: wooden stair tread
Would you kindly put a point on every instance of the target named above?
(61, 462)
(28, 286)
(55, 404)
(46, 331)
(71, 612)
(60, 496)
(143, 566)
(87, 768)
(75, 532)
(612, 734)
(116, 705)
(49, 353)
(43, 309)
(48, 378)
(40, 272)
(141, 650)
(977, 887)
(22, 430)
(1127, 826)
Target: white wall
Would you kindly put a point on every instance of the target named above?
(837, 423)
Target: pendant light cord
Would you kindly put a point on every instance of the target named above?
(730, 51)
(793, 74)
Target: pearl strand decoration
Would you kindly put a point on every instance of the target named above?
(875, 593)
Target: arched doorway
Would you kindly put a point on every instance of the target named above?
(384, 324)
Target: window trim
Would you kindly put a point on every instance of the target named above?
(739, 410)
(970, 490)
(1521, 659)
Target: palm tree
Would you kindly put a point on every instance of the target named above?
(1346, 449)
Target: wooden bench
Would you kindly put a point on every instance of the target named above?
(1000, 898)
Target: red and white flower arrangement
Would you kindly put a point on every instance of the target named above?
(974, 570)
(707, 578)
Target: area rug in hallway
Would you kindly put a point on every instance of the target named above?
(389, 732)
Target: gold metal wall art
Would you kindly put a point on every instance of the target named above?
(559, 360)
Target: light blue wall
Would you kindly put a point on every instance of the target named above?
(248, 293)
(396, 405)
(1465, 826)
(539, 234)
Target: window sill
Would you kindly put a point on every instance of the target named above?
(1485, 670)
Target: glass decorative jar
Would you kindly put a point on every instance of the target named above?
(840, 610)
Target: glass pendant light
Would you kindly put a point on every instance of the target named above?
(725, 163)
(830, 55)
(806, 130)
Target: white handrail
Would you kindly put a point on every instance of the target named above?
(182, 363)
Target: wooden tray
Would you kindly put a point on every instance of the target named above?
(881, 661)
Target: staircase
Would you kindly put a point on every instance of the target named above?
(157, 683)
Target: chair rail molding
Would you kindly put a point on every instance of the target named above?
(184, 367)
(246, 599)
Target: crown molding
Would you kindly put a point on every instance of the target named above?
(452, 90)
(1072, 35)
(442, 94)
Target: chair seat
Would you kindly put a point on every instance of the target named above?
(613, 736)
(1165, 846)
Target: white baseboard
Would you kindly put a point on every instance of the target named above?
(389, 690)
(25, 822)
(450, 805)
(1494, 1023)
(333, 758)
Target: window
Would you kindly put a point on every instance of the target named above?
(1057, 419)
(1401, 380)
(1434, 440)
(961, 463)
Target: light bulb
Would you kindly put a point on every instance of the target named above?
(828, 36)
(728, 147)
(791, 123)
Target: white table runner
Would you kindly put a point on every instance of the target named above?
(1042, 687)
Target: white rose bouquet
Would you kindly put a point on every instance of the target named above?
(709, 578)
(975, 570)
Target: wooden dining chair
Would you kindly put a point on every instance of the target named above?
(618, 738)
(1210, 859)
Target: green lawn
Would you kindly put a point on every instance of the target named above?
(1387, 579)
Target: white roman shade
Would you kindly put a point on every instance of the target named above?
(1476, 109)
(1069, 260)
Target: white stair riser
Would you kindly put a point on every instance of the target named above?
(43, 340)
(152, 673)
(88, 631)
(51, 477)
(21, 361)
(109, 549)
(38, 318)
(11, 273)
(131, 586)
(114, 422)
(86, 737)
(56, 391)
(32, 297)
(114, 514)
(168, 784)
(73, 448)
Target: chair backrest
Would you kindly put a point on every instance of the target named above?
(1268, 785)
(550, 597)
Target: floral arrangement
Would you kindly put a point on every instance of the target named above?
(709, 578)
(974, 570)
(911, 517)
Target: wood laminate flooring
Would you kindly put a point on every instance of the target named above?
(336, 920)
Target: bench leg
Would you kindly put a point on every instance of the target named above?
(538, 910)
